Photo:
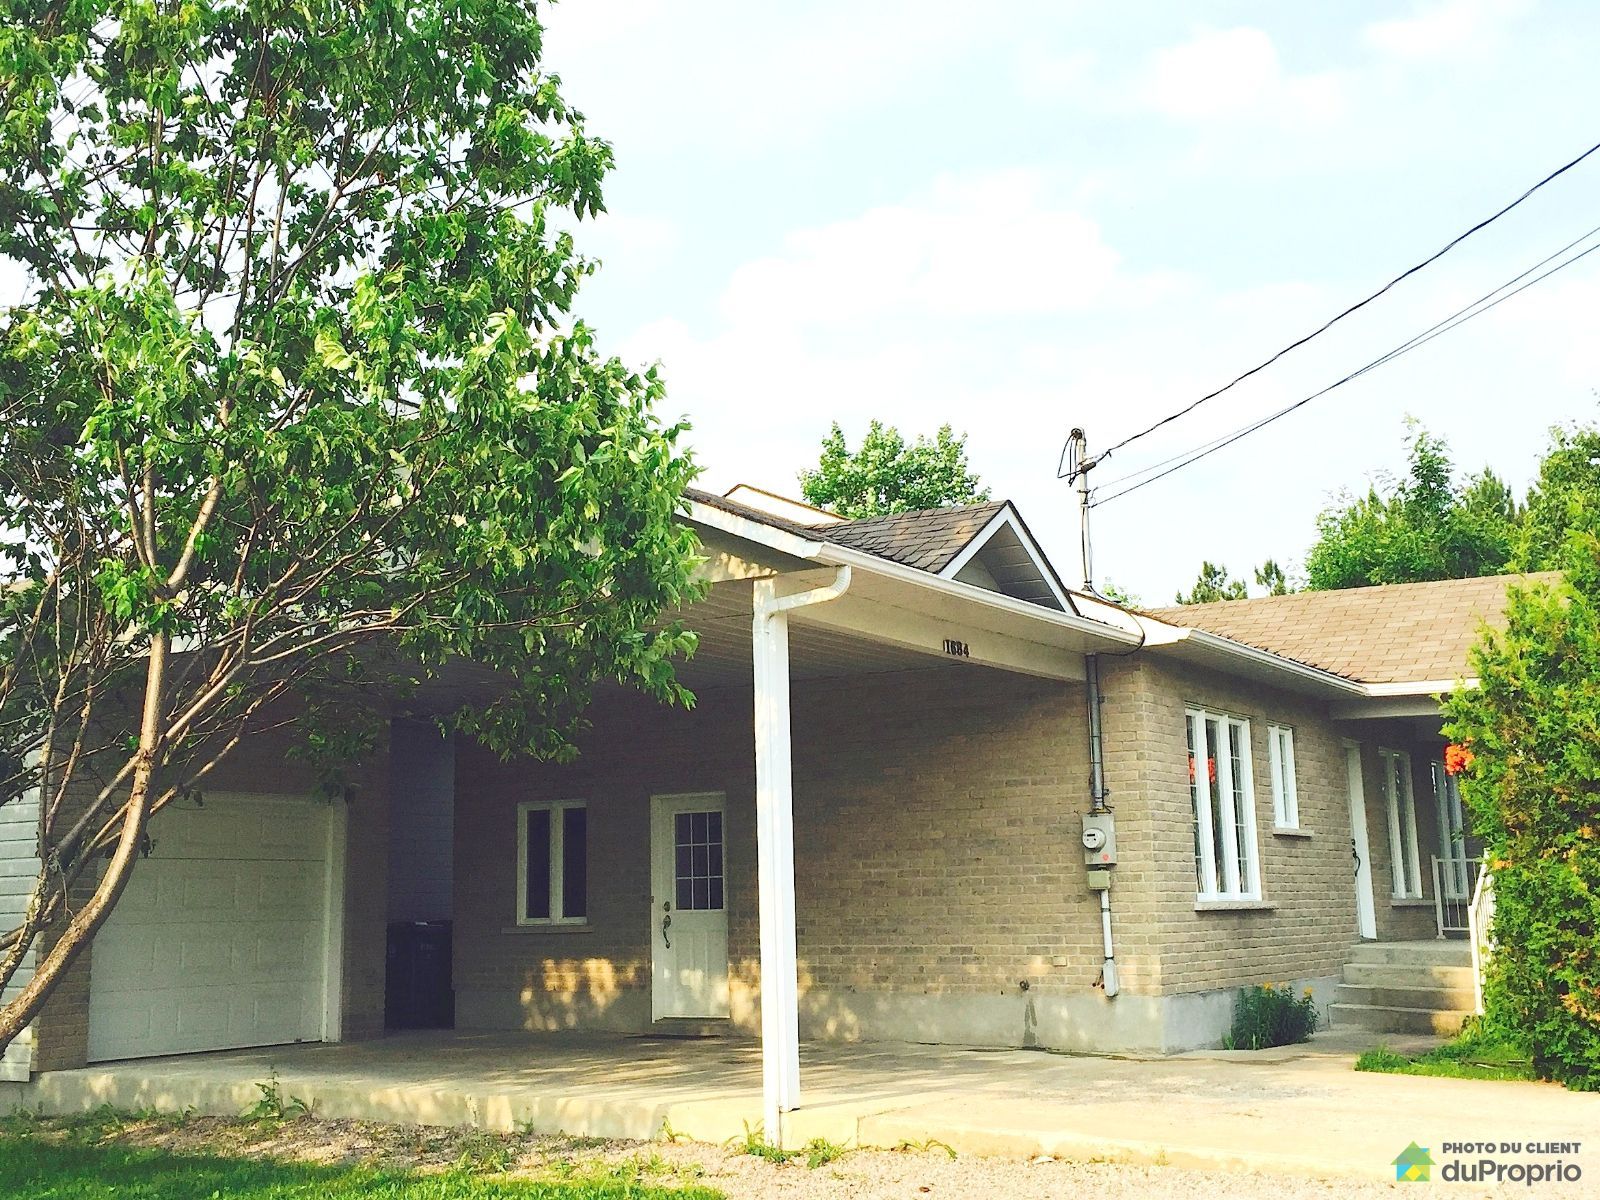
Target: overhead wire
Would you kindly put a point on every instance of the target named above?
(1356, 307)
(1403, 348)
(1461, 317)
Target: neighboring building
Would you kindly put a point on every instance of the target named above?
(896, 835)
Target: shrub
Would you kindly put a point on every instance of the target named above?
(1532, 784)
(1271, 1016)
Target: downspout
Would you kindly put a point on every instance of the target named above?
(780, 991)
(1099, 808)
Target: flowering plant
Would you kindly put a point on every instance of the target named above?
(1457, 758)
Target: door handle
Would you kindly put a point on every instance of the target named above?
(666, 924)
(1355, 854)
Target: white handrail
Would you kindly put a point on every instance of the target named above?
(1480, 916)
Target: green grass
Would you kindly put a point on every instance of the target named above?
(1472, 1055)
(74, 1170)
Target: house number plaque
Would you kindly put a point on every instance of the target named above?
(959, 649)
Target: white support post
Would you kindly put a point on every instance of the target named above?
(780, 986)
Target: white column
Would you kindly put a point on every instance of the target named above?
(780, 998)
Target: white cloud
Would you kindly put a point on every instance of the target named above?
(988, 245)
(1447, 27)
(1234, 73)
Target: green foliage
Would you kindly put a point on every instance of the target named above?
(273, 1107)
(1474, 1054)
(1425, 526)
(296, 387)
(1213, 584)
(1568, 472)
(1533, 790)
(484, 1152)
(1273, 579)
(1119, 595)
(31, 1166)
(755, 1143)
(1271, 1016)
(888, 476)
(925, 1146)
(819, 1152)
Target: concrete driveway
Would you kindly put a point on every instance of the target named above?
(1301, 1110)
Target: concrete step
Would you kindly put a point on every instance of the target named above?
(1444, 953)
(1436, 998)
(1407, 975)
(1445, 1023)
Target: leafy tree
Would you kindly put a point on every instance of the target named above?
(888, 476)
(1426, 526)
(1272, 578)
(295, 409)
(1570, 470)
(1530, 783)
(1120, 595)
(1214, 584)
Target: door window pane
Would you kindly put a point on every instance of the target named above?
(697, 857)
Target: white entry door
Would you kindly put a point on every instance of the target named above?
(688, 906)
(225, 933)
(1360, 851)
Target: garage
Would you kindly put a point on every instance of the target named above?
(228, 933)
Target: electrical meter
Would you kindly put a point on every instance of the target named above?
(1099, 840)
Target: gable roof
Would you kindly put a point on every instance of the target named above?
(929, 539)
(938, 541)
(1393, 633)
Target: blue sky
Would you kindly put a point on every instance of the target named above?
(1022, 217)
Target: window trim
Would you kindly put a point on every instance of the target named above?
(1213, 873)
(1285, 801)
(1405, 869)
(556, 809)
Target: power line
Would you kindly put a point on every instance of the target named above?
(1421, 339)
(1356, 307)
(1403, 348)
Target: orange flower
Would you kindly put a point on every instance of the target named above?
(1457, 758)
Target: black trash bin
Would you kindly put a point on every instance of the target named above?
(418, 992)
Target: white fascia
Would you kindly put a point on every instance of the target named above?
(829, 554)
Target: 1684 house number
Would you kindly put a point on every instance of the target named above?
(959, 649)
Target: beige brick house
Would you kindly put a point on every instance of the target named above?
(870, 826)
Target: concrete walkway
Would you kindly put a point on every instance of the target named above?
(1300, 1110)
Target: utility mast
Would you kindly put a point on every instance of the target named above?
(1078, 466)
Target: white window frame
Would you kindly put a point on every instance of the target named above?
(1405, 861)
(556, 809)
(1231, 879)
(1285, 788)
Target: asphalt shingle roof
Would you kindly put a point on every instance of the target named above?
(928, 540)
(1396, 633)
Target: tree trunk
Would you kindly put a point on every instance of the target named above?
(14, 1017)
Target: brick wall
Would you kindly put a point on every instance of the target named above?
(1305, 923)
(936, 826)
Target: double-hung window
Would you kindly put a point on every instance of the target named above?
(1223, 791)
(1280, 759)
(1404, 858)
(552, 862)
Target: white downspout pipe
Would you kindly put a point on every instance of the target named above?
(780, 987)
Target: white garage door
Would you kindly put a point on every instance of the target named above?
(222, 938)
